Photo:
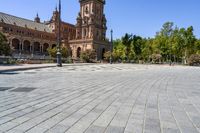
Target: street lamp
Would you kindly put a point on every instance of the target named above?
(111, 46)
(170, 54)
(59, 60)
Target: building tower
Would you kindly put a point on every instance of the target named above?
(90, 28)
(91, 21)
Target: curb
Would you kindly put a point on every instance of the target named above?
(23, 69)
(39, 67)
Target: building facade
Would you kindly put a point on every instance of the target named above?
(90, 29)
(29, 38)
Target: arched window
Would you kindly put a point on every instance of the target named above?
(53, 46)
(78, 52)
(103, 52)
(45, 47)
(36, 47)
(15, 44)
(26, 46)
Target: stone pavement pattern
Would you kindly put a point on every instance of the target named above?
(24, 66)
(5, 68)
(101, 98)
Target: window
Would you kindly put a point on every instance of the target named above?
(6, 28)
(86, 10)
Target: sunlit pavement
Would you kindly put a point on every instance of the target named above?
(120, 98)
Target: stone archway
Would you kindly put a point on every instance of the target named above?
(16, 44)
(26, 46)
(36, 46)
(102, 53)
(71, 53)
(53, 46)
(45, 47)
(78, 55)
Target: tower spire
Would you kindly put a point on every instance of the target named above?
(56, 8)
(37, 18)
(60, 7)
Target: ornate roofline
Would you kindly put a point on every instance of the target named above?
(22, 22)
(101, 1)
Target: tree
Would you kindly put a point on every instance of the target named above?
(169, 44)
(167, 29)
(119, 51)
(147, 50)
(163, 41)
(4, 46)
(189, 42)
(138, 43)
(126, 41)
(177, 42)
(197, 47)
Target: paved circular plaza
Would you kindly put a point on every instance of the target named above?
(118, 98)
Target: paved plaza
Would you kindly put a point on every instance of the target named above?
(119, 98)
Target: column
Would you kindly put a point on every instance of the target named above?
(32, 49)
(42, 48)
(22, 46)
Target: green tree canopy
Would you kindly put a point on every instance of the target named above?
(171, 43)
(4, 46)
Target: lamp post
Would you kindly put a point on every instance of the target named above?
(170, 54)
(111, 46)
(59, 60)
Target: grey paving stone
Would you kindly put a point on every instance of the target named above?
(102, 98)
(8, 126)
(113, 129)
(95, 129)
(189, 130)
(58, 129)
(134, 128)
(171, 130)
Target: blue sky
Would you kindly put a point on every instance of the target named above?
(141, 17)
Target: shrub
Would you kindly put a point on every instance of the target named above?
(156, 58)
(69, 60)
(194, 60)
(88, 56)
(53, 52)
(64, 52)
(11, 61)
(107, 55)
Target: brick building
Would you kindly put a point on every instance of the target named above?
(30, 38)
